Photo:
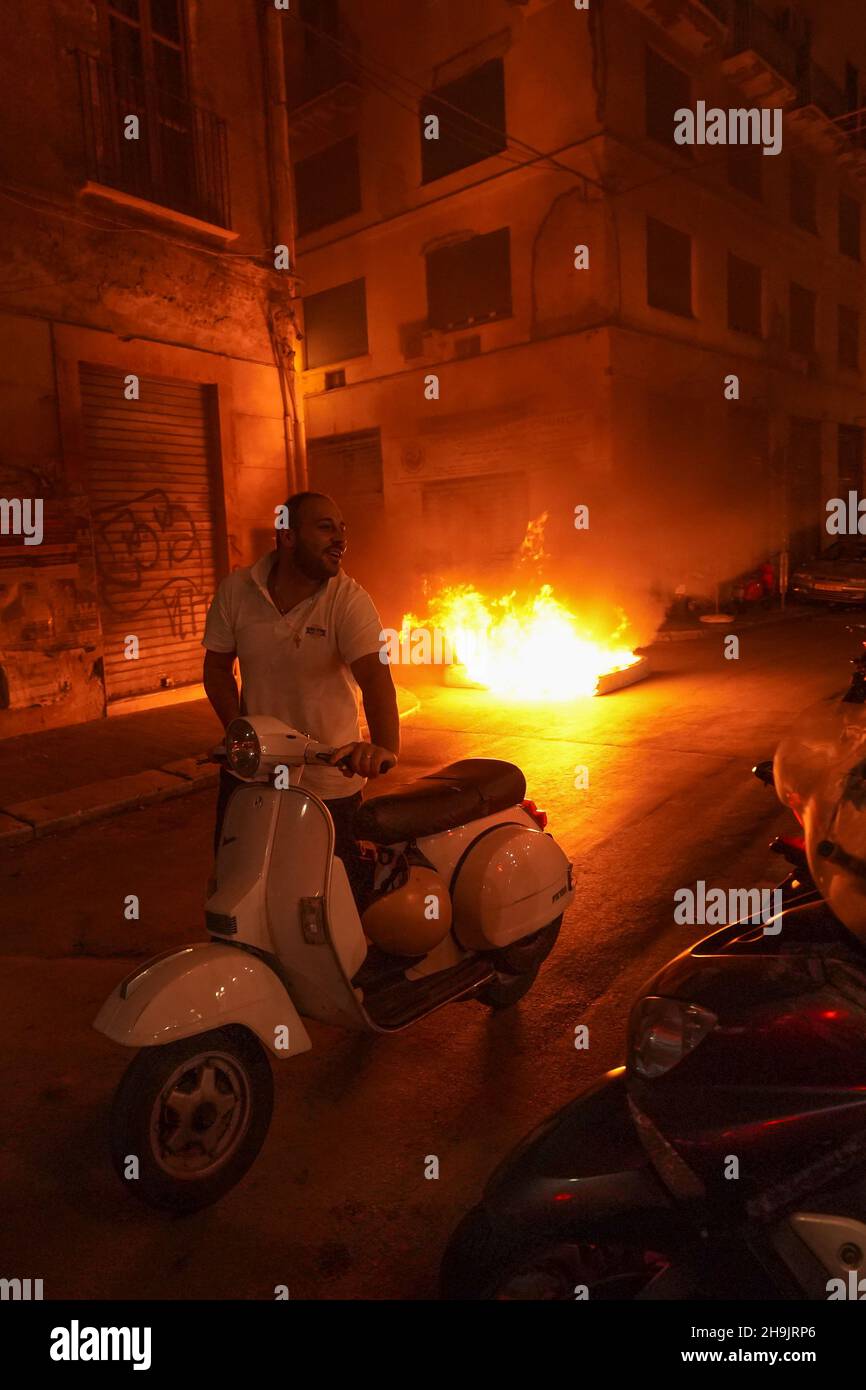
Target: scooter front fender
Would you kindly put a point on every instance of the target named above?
(583, 1164)
(208, 985)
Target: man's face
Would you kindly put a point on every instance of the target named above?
(317, 538)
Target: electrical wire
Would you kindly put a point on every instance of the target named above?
(418, 90)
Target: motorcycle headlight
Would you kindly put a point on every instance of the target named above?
(664, 1031)
(243, 750)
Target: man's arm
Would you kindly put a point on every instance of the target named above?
(383, 720)
(220, 685)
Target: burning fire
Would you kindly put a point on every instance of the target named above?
(530, 649)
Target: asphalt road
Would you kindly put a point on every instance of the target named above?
(337, 1205)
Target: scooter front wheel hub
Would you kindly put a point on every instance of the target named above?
(200, 1115)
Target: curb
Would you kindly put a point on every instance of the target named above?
(66, 810)
(739, 625)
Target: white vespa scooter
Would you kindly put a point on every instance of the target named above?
(286, 943)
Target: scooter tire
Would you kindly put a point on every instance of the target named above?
(527, 955)
(139, 1092)
(517, 967)
(506, 990)
(480, 1264)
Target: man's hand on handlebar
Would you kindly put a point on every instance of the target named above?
(362, 759)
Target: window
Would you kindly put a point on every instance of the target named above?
(146, 42)
(801, 305)
(327, 186)
(471, 113)
(179, 158)
(667, 89)
(470, 282)
(849, 338)
(335, 324)
(804, 196)
(744, 296)
(746, 169)
(668, 268)
(849, 226)
(850, 459)
(852, 87)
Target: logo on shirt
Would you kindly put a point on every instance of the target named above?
(316, 632)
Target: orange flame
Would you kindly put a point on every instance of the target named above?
(531, 649)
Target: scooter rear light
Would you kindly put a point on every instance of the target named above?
(664, 1031)
(540, 817)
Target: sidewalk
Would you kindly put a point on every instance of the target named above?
(59, 778)
(683, 631)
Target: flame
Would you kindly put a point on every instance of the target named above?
(528, 649)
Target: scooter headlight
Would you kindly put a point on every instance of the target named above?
(664, 1031)
(243, 750)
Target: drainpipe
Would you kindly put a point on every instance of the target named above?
(282, 321)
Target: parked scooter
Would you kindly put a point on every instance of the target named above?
(728, 1157)
(465, 894)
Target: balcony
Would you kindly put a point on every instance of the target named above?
(700, 26)
(325, 85)
(762, 61)
(178, 162)
(822, 119)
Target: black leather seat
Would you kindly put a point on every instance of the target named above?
(461, 792)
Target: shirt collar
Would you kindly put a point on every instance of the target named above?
(261, 569)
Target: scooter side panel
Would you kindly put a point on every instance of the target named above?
(200, 987)
(300, 879)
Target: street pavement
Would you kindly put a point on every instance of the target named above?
(337, 1205)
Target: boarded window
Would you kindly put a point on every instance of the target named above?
(328, 186)
(348, 467)
(470, 282)
(668, 268)
(744, 296)
(850, 458)
(746, 169)
(849, 226)
(804, 199)
(849, 338)
(471, 113)
(667, 89)
(335, 324)
(804, 504)
(801, 315)
(492, 509)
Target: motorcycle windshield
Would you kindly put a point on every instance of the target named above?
(820, 773)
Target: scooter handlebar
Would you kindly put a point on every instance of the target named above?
(318, 753)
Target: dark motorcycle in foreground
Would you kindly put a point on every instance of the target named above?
(727, 1158)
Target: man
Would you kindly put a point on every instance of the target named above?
(306, 637)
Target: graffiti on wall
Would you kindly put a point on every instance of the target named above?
(149, 556)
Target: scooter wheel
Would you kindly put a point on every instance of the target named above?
(507, 1265)
(517, 967)
(506, 990)
(194, 1114)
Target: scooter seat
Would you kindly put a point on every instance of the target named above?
(443, 800)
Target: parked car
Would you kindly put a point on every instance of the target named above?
(837, 575)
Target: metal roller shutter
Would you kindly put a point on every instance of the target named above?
(150, 469)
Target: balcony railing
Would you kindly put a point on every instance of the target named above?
(719, 9)
(853, 126)
(817, 89)
(754, 30)
(179, 159)
(326, 63)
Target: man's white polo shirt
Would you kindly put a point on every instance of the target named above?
(296, 666)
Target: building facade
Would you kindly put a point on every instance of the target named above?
(521, 295)
(146, 340)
